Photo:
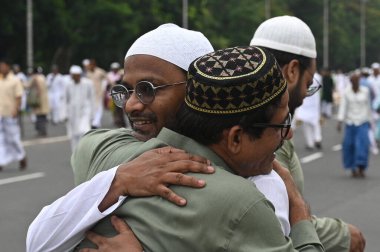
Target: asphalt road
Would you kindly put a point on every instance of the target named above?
(328, 189)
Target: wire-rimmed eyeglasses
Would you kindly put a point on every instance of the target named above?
(145, 91)
(314, 87)
(285, 127)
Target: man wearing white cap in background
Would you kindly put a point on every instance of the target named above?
(293, 45)
(79, 99)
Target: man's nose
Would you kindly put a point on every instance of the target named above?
(133, 104)
(290, 134)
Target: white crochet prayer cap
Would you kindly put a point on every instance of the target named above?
(74, 69)
(172, 43)
(85, 62)
(375, 65)
(115, 65)
(287, 34)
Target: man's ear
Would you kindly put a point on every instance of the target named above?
(291, 72)
(234, 139)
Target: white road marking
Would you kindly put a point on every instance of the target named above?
(337, 147)
(45, 140)
(311, 157)
(22, 178)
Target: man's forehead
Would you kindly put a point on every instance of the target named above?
(151, 68)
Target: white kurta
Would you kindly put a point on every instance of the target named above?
(310, 109)
(61, 225)
(55, 87)
(79, 103)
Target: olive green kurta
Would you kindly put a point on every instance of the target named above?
(229, 214)
(333, 233)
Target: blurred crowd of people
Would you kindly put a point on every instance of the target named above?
(354, 99)
(77, 99)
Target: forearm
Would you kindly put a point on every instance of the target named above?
(61, 225)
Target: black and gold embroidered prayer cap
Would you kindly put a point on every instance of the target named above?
(233, 81)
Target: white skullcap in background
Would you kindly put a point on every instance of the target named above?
(375, 65)
(115, 65)
(86, 62)
(74, 69)
(172, 43)
(287, 34)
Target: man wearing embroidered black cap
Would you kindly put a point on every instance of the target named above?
(237, 115)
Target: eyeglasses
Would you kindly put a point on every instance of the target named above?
(285, 127)
(145, 91)
(312, 89)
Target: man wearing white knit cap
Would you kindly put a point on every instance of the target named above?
(157, 63)
(79, 102)
(292, 43)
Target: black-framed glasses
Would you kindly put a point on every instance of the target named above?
(145, 91)
(285, 127)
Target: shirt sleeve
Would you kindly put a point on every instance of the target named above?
(333, 233)
(62, 225)
(258, 230)
(273, 188)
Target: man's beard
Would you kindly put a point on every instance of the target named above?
(295, 98)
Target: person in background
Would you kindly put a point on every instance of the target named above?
(19, 74)
(374, 80)
(327, 93)
(11, 91)
(114, 77)
(309, 113)
(355, 113)
(54, 81)
(99, 79)
(365, 81)
(40, 109)
(79, 95)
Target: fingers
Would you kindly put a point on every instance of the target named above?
(357, 239)
(119, 224)
(178, 154)
(171, 196)
(95, 238)
(183, 180)
(168, 149)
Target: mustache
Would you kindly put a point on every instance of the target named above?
(137, 116)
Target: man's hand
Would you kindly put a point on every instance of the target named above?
(125, 241)
(357, 239)
(298, 209)
(152, 172)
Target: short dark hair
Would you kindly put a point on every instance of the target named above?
(284, 58)
(207, 129)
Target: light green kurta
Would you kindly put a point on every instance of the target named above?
(229, 214)
(333, 233)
